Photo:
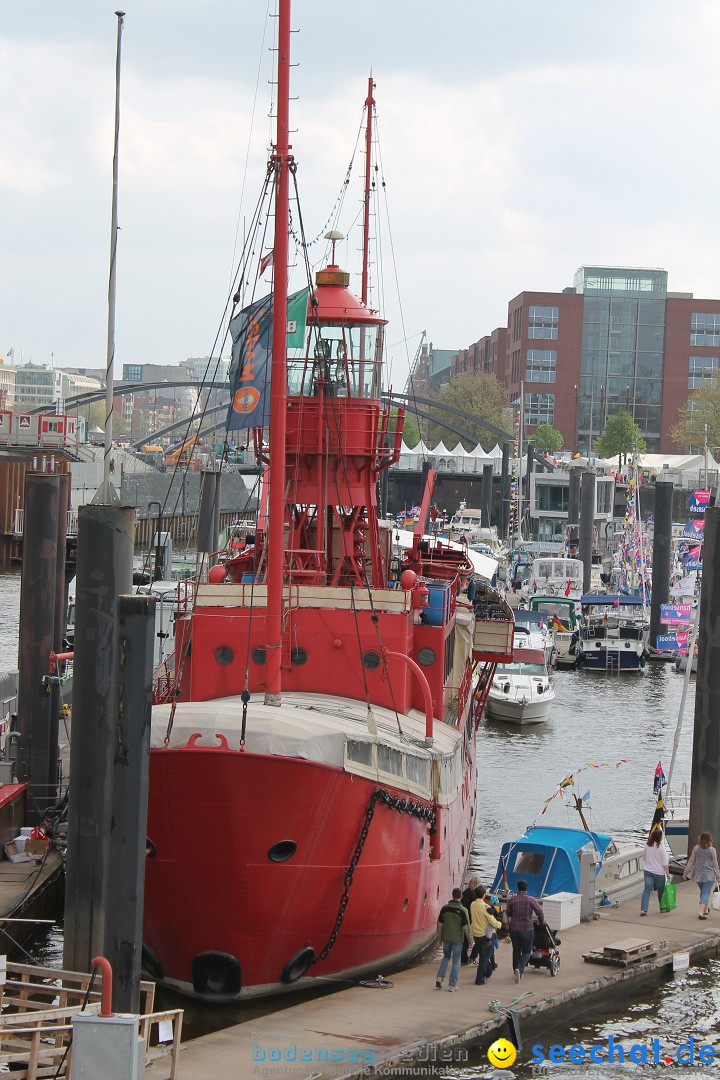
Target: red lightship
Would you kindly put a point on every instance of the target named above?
(313, 772)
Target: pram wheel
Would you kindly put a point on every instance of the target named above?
(554, 964)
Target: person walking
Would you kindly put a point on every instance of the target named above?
(482, 924)
(469, 894)
(702, 867)
(453, 927)
(520, 911)
(656, 868)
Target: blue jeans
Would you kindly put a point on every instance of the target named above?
(705, 888)
(451, 950)
(522, 941)
(652, 881)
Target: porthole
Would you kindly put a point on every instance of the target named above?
(462, 850)
(371, 660)
(258, 655)
(224, 655)
(282, 851)
(150, 849)
(405, 904)
(422, 842)
(598, 645)
(298, 656)
(426, 657)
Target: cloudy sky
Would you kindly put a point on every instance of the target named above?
(519, 140)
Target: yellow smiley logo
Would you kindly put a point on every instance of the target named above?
(502, 1054)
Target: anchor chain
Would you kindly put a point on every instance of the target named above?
(393, 802)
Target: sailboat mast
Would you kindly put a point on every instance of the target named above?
(281, 160)
(113, 273)
(369, 105)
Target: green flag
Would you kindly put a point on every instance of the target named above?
(297, 318)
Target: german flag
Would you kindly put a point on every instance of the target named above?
(558, 624)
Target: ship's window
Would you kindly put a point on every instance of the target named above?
(298, 656)
(390, 760)
(426, 657)
(422, 845)
(224, 655)
(359, 751)
(371, 660)
(282, 851)
(258, 655)
(418, 770)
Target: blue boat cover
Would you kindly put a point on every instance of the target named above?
(547, 858)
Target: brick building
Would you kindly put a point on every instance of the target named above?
(615, 339)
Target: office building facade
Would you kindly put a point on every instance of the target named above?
(616, 339)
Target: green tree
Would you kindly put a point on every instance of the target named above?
(702, 409)
(546, 438)
(621, 436)
(411, 432)
(478, 393)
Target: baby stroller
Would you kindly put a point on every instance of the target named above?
(544, 951)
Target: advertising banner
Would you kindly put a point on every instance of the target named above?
(675, 614)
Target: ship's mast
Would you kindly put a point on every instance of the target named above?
(369, 105)
(282, 162)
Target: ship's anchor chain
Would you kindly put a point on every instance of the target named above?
(393, 802)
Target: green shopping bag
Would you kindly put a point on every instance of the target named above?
(668, 900)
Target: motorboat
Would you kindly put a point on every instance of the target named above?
(613, 632)
(548, 858)
(532, 632)
(521, 691)
(560, 614)
(554, 576)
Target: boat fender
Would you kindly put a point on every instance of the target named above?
(216, 974)
(298, 965)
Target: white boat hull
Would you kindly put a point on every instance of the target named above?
(519, 709)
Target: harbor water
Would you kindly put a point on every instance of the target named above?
(613, 728)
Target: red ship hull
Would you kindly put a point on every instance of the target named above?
(213, 892)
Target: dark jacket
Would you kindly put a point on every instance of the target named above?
(454, 923)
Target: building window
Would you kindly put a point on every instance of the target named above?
(539, 409)
(543, 322)
(540, 366)
(702, 368)
(704, 328)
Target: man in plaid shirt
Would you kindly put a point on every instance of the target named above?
(520, 910)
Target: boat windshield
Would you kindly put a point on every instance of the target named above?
(554, 607)
(520, 669)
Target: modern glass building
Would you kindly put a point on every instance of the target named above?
(623, 349)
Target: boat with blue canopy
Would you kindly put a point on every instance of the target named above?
(614, 631)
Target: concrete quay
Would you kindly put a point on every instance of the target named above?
(388, 1030)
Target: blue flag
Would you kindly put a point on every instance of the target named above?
(250, 369)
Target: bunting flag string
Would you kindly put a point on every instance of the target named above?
(569, 780)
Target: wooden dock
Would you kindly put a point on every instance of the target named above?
(413, 1022)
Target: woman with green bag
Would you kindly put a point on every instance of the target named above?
(702, 867)
(656, 868)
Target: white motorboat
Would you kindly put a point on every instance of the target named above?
(521, 692)
(532, 632)
(554, 576)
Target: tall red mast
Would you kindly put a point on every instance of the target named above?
(281, 160)
(369, 104)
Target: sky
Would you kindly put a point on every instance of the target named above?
(519, 140)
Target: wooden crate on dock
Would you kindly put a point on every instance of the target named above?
(622, 953)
